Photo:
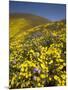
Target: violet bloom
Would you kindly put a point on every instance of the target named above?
(35, 70)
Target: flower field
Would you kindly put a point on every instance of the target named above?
(37, 54)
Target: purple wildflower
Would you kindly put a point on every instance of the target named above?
(35, 70)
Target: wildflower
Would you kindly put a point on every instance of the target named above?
(43, 66)
(39, 84)
(35, 70)
(50, 78)
(42, 76)
(63, 76)
(51, 61)
(34, 77)
(55, 77)
(38, 79)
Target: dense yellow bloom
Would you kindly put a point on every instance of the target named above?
(59, 60)
(51, 61)
(55, 77)
(26, 75)
(32, 51)
(37, 55)
(59, 80)
(64, 64)
(22, 69)
(42, 76)
(63, 82)
(60, 67)
(33, 65)
(24, 65)
(42, 56)
(39, 84)
(50, 78)
(39, 59)
(38, 79)
(13, 79)
(63, 76)
(29, 74)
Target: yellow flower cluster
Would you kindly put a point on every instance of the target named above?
(39, 59)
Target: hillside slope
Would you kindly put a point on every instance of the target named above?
(21, 22)
(33, 19)
(37, 53)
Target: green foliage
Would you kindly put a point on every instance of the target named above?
(38, 57)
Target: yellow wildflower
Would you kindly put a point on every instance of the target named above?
(39, 84)
(55, 77)
(42, 76)
(51, 61)
(38, 79)
(50, 78)
(63, 76)
(63, 82)
(43, 66)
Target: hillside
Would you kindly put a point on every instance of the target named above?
(22, 22)
(33, 19)
(37, 52)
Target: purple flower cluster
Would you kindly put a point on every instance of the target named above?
(36, 70)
